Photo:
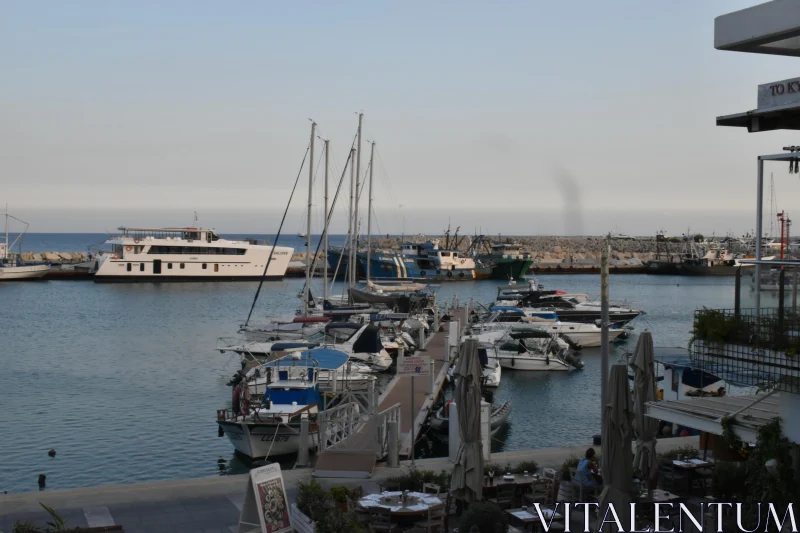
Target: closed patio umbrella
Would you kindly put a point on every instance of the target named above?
(467, 480)
(616, 443)
(644, 390)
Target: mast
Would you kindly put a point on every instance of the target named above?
(351, 231)
(369, 211)
(354, 276)
(5, 252)
(308, 225)
(325, 230)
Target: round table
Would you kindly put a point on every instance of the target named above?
(416, 504)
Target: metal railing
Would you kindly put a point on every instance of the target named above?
(338, 423)
(382, 420)
(749, 347)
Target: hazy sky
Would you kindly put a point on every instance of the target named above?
(519, 117)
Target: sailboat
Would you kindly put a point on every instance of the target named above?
(11, 266)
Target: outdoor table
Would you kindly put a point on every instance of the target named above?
(658, 496)
(691, 467)
(530, 519)
(522, 482)
(416, 504)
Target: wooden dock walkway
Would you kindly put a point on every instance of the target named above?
(355, 456)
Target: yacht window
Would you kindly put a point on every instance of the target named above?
(455, 254)
(183, 265)
(205, 266)
(169, 266)
(129, 267)
(141, 267)
(216, 268)
(445, 254)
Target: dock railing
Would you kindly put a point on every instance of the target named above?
(338, 423)
(383, 421)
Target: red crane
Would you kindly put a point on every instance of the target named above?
(783, 218)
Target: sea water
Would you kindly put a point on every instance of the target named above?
(123, 380)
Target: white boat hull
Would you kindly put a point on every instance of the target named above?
(541, 364)
(22, 272)
(256, 441)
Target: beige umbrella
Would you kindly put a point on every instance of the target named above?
(616, 443)
(467, 480)
(644, 390)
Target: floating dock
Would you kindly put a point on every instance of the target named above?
(355, 456)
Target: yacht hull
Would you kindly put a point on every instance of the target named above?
(400, 267)
(533, 363)
(172, 279)
(23, 272)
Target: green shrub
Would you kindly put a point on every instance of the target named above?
(340, 494)
(488, 517)
(312, 500)
(338, 521)
(23, 527)
(571, 462)
(414, 479)
(730, 479)
(688, 452)
(525, 466)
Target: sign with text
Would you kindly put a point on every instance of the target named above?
(266, 507)
(779, 93)
(416, 365)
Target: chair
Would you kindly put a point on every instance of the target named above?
(435, 521)
(549, 473)
(431, 488)
(586, 493)
(671, 480)
(505, 495)
(380, 519)
(541, 492)
(361, 514)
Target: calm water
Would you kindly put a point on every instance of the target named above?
(123, 380)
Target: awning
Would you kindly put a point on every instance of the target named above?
(768, 28)
(785, 117)
(705, 414)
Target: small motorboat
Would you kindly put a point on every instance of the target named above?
(440, 419)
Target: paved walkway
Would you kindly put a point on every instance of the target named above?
(212, 505)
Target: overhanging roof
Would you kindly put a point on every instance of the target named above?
(704, 414)
(769, 28)
(775, 118)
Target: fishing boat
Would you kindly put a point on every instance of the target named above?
(440, 420)
(268, 424)
(510, 262)
(188, 254)
(12, 268)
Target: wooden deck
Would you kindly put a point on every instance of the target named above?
(355, 456)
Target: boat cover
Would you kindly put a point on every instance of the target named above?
(322, 358)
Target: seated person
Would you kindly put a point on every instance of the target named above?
(587, 470)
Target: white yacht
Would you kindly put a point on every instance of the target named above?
(188, 254)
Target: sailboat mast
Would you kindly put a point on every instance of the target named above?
(325, 230)
(5, 252)
(308, 222)
(351, 230)
(369, 212)
(354, 276)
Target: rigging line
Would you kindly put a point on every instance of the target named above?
(277, 236)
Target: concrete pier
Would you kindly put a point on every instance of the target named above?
(212, 505)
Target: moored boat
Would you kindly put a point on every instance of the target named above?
(439, 420)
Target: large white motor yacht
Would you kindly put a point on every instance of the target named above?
(187, 254)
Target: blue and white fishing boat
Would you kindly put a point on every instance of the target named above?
(264, 420)
(415, 261)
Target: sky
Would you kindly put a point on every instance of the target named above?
(516, 117)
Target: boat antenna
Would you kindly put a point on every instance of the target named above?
(277, 237)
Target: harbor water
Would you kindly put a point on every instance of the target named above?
(123, 380)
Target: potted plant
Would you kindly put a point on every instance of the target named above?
(565, 479)
(340, 495)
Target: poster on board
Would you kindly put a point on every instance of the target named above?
(266, 507)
